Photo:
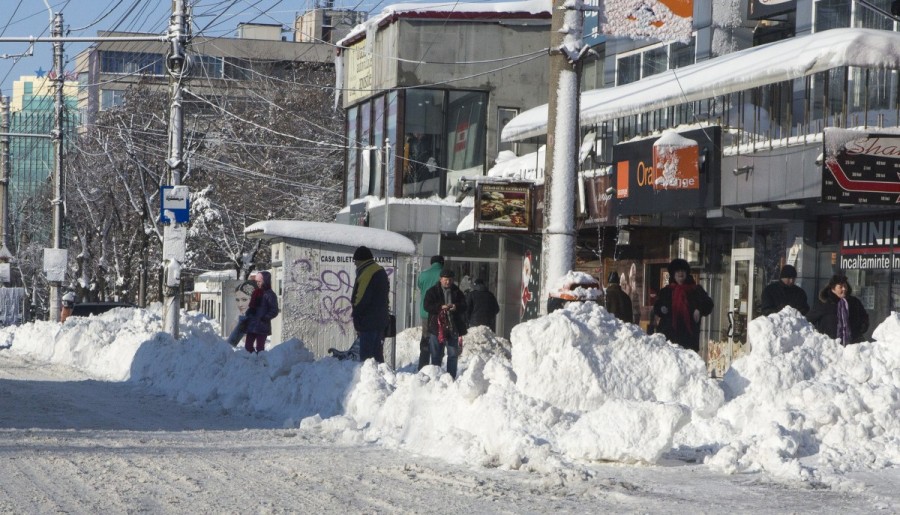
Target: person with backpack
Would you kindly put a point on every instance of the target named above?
(262, 309)
(481, 306)
(369, 301)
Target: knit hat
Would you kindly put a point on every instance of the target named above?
(437, 259)
(679, 264)
(447, 273)
(362, 253)
(788, 272)
(613, 278)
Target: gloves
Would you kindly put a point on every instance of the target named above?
(696, 315)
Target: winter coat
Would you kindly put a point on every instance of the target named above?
(263, 308)
(427, 279)
(777, 295)
(687, 337)
(434, 299)
(619, 303)
(481, 307)
(825, 318)
(370, 297)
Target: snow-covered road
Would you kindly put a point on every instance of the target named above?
(76, 445)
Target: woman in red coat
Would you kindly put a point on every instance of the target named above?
(680, 306)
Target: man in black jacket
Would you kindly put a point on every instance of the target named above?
(446, 307)
(370, 305)
(783, 293)
(482, 306)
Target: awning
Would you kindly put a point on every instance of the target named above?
(766, 64)
(337, 234)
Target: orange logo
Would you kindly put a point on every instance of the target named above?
(622, 179)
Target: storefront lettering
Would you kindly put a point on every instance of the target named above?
(644, 174)
(871, 233)
(871, 262)
(871, 147)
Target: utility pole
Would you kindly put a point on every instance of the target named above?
(177, 67)
(57, 135)
(558, 239)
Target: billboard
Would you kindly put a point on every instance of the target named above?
(860, 167)
(676, 172)
(870, 243)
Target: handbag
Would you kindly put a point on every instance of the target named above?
(390, 330)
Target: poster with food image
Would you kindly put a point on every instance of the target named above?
(504, 207)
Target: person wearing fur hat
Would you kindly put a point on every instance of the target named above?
(680, 305)
(617, 301)
(370, 305)
(446, 307)
(839, 314)
(783, 292)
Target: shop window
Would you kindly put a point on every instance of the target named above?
(391, 128)
(681, 54)
(465, 135)
(422, 153)
(868, 18)
(364, 149)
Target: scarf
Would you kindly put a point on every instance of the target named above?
(681, 311)
(256, 298)
(843, 321)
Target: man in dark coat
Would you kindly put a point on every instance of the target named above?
(617, 301)
(784, 292)
(481, 306)
(427, 279)
(369, 302)
(262, 309)
(839, 314)
(680, 305)
(446, 307)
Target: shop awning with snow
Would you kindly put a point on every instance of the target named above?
(766, 64)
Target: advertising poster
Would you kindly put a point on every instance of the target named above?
(504, 207)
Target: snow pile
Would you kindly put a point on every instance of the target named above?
(800, 394)
(577, 385)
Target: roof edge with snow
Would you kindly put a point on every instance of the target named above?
(333, 233)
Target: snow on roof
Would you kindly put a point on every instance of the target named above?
(217, 275)
(766, 64)
(446, 10)
(337, 234)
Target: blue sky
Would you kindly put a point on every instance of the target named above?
(83, 18)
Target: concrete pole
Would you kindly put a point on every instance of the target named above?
(177, 68)
(57, 134)
(561, 167)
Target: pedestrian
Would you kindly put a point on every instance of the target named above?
(427, 279)
(262, 309)
(446, 307)
(68, 305)
(680, 305)
(481, 306)
(838, 313)
(242, 295)
(369, 304)
(784, 292)
(617, 301)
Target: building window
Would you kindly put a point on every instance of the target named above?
(681, 54)
(110, 98)
(504, 116)
(465, 141)
(352, 115)
(131, 62)
(832, 14)
(628, 69)
(238, 69)
(207, 66)
(655, 61)
(871, 19)
(424, 126)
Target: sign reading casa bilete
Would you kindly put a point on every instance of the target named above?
(871, 244)
(861, 168)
